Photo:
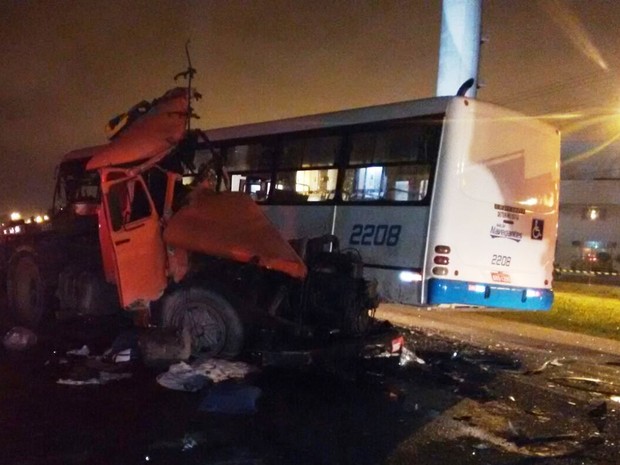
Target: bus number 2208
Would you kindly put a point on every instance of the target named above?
(375, 234)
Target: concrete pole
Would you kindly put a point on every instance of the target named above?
(459, 48)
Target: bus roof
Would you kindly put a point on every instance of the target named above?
(390, 111)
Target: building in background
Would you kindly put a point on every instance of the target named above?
(589, 225)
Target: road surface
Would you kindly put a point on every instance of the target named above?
(471, 390)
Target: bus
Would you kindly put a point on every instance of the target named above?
(447, 200)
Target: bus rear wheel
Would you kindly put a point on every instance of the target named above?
(213, 324)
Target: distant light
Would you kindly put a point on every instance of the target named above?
(27, 221)
(46, 218)
(38, 219)
(16, 216)
(594, 213)
(409, 276)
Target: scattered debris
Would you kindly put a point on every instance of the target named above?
(231, 399)
(408, 356)
(526, 441)
(82, 352)
(219, 370)
(184, 377)
(555, 362)
(598, 416)
(599, 411)
(501, 426)
(189, 442)
(19, 338)
(126, 355)
(103, 378)
(538, 414)
(588, 384)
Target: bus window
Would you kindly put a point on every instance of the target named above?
(255, 184)
(415, 142)
(296, 183)
(309, 152)
(251, 157)
(406, 183)
(249, 168)
(392, 164)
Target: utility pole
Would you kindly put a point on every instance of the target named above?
(459, 48)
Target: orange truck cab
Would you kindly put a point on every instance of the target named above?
(127, 233)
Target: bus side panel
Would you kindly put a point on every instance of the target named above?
(391, 240)
(495, 206)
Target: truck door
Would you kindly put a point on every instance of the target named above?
(135, 234)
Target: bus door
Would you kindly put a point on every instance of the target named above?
(133, 229)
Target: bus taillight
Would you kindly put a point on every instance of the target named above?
(443, 249)
(440, 270)
(441, 260)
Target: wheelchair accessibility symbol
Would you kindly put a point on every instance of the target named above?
(537, 229)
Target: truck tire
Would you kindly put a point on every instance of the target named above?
(26, 292)
(213, 324)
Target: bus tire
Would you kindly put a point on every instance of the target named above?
(213, 324)
(26, 291)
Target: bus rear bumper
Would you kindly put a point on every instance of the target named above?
(446, 291)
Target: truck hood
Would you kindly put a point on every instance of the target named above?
(231, 225)
(156, 132)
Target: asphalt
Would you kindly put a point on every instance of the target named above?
(482, 329)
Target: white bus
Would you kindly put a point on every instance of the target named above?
(448, 200)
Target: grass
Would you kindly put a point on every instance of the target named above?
(589, 309)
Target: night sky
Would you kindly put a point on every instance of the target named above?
(68, 67)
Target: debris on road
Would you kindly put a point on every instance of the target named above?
(408, 356)
(103, 378)
(84, 351)
(19, 338)
(555, 362)
(219, 370)
(188, 442)
(502, 426)
(229, 398)
(588, 384)
(184, 377)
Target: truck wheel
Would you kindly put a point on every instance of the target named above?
(213, 324)
(26, 292)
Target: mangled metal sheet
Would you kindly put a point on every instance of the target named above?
(155, 132)
(230, 225)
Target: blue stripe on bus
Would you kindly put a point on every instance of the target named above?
(445, 291)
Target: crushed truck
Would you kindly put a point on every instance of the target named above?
(127, 232)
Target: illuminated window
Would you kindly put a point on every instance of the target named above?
(594, 214)
(295, 183)
(401, 183)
